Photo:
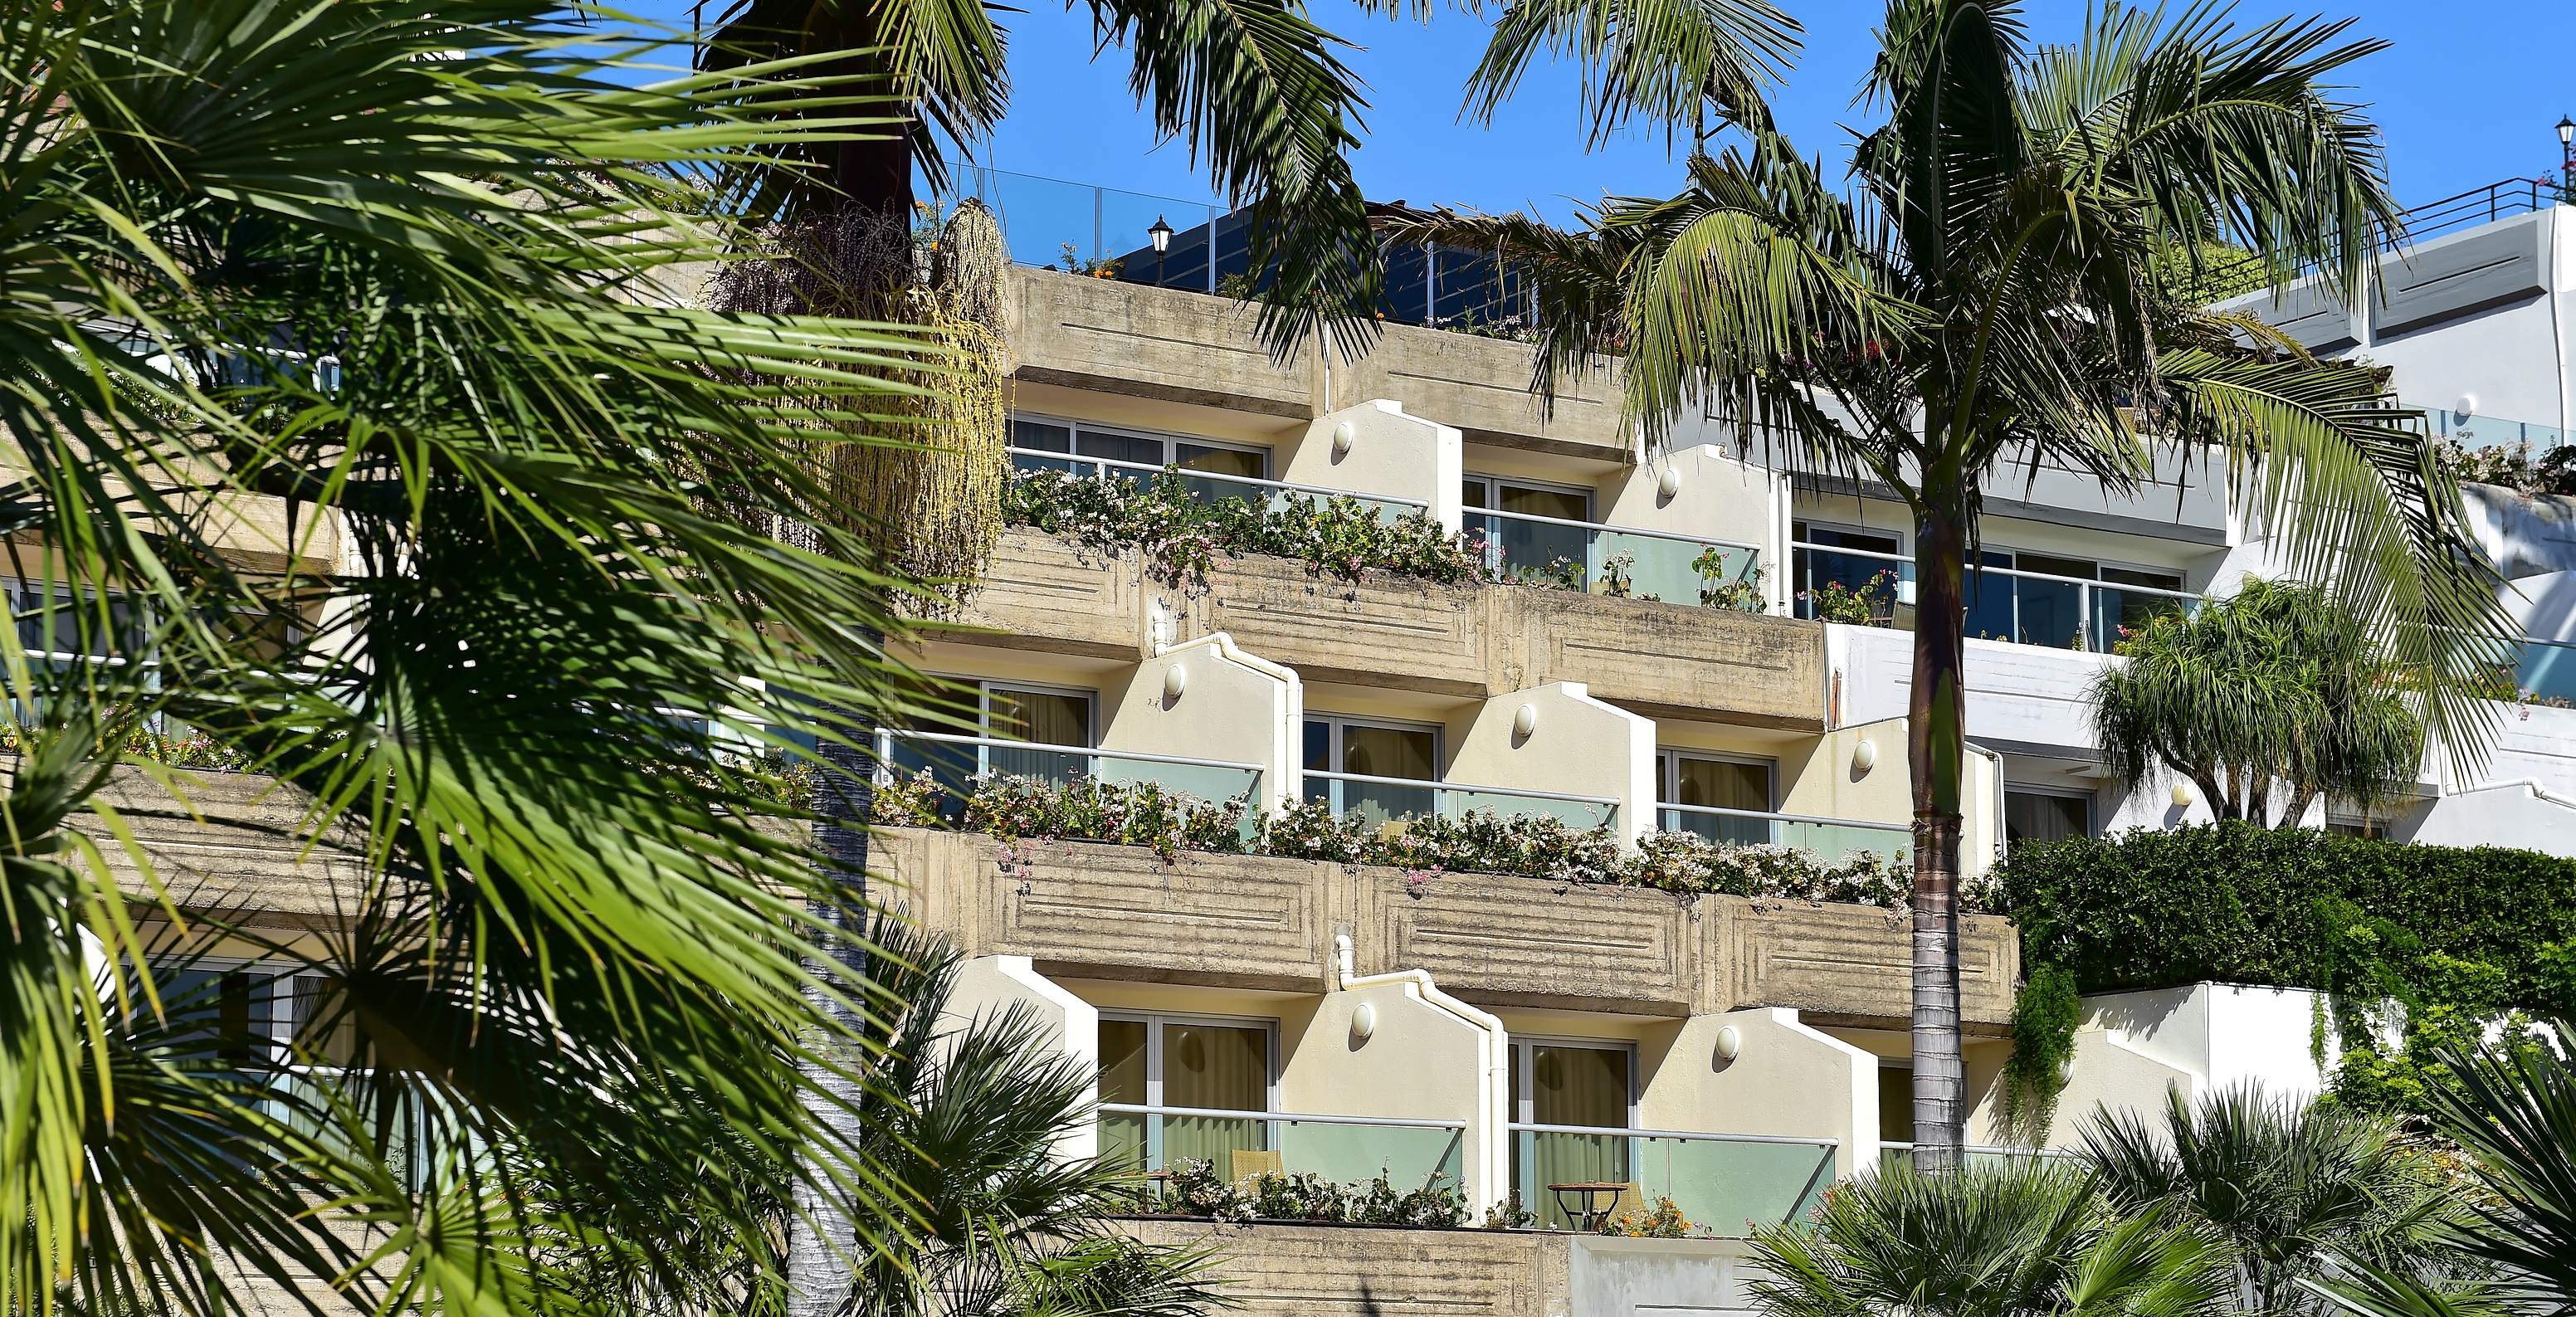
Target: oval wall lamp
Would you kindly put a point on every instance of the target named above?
(1670, 482)
(1363, 1021)
(2182, 795)
(1525, 720)
(1864, 757)
(1343, 435)
(1730, 1044)
(1176, 679)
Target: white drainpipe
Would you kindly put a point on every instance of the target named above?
(1490, 1156)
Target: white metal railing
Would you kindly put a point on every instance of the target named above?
(1105, 464)
(1337, 1148)
(1705, 541)
(2089, 627)
(1450, 799)
(1283, 1117)
(1889, 1149)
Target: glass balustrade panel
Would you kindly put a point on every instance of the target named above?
(1407, 1156)
(1729, 1188)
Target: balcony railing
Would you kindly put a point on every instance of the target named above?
(1724, 1182)
(1613, 560)
(1833, 839)
(2004, 603)
(1338, 1148)
(2546, 670)
(2492, 431)
(1208, 487)
(1385, 799)
(954, 761)
(1981, 1154)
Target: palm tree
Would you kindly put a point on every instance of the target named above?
(2024, 1239)
(964, 1115)
(2273, 685)
(1254, 85)
(2298, 1191)
(348, 421)
(1996, 298)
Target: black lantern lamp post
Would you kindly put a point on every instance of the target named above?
(2566, 160)
(1161, 233)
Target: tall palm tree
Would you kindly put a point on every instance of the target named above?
(1254, 86)
(2273, 687)
(2298, 1191)
(347, 420)
(2025, 1239)
(1999, 296)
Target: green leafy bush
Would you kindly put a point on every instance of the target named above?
(1196, 1189)
(1661, 1219)
(1181, 535)
(1689, 862)
(2045, 1013)
(2415, 947)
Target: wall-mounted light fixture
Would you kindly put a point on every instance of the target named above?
(1864, 757)
(1363, 1021)
(2182, 795)
(1730, 1044)
(1670, 482)
(1525, 720)
(1343, 434)
(1175, 680)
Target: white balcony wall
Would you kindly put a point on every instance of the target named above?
(2132, 1048)
(1390, 453)
(2520, 814)
(1577, 746)
(1715, 496)
(1827, 782)
(1068, 1026)
(1419, 1062)
(1785, 1079)
(1232, 706)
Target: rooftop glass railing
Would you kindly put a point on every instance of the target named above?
(1209, 486)
(2004, 603)
(955, 761)
(1617, 560)
(1338, 1148)
(2545, 670)
(1390, 799)
(1723, 1183)
(1832, 839)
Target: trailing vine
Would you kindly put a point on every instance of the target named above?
(2044, 1017)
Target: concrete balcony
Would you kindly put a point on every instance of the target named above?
(1082, 910)
(1384, 630)
(1168, 345)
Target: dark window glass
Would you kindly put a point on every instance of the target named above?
(1895, 1104)
(1220, 461)
(1119, 447)
(1042, 436)
(2033, 816)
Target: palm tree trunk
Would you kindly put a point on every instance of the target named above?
(1938, 721)
(819, 1269)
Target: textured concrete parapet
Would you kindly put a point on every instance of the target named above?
(1087, 910)
(1297, 1270)
(1404, 632)
(227, 842)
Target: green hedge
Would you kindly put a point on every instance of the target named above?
(2241, 904)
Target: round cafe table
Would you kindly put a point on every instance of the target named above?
(1589, 1193)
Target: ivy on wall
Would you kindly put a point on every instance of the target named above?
(2414, 946)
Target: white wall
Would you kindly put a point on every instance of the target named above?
(1419, 1062)
(1785, 1079)
(988, 985)
(2520, 815)
(1391, 453)
(1233, 706)
(1717, 497)
(1579, 746)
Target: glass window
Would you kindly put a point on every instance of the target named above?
(1169, 1062)
(1569, 1084)
(1812, 569)
(1119, 447)
(1536, 501)
(2050, 613)
(1530, 547)
(1219, 461)
(1372, 749)
(1045, 718)
(1895, 1104)
(2046, 816)
(1710, 782)
(1044, 436)
(1031, 437)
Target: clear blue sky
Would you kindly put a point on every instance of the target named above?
(2468, 95)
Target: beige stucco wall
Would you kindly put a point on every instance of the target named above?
(1579, 746)
(2108, 1072)
(1786, 1079)
(1719, 497)
(1419, 1062)
(1819, 778)
(1392, 453)
(1233, 706)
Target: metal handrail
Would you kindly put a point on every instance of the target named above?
(1326, 490)
(1461, 786)
(1784, 818)
(1283, 1117)
(1974, 569)
(1990, 1149)
(1703, 1136)
(1623, 530)
(886, 736)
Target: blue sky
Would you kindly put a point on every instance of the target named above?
(2467, 96)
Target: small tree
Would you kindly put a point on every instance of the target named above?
(2274, 687)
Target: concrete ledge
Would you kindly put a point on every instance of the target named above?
(1387, 630)
(1086, 910)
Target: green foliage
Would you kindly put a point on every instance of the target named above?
(2512, 1107)
(1716, 590)
(2274, 694)
(2298, 1192)
(1871, 605)
(1196, 1189)
(1507, 1213)
(2033, 1238)
(1015, 809)
(2045, 1013)
(1661, 1219)
(2421, 947)
(1182, 534)
(2511, 466)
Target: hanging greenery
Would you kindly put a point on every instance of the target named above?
(930, 504)
(2045, 1014)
